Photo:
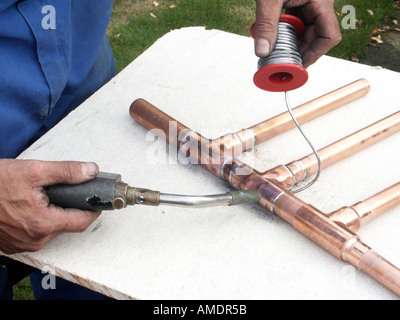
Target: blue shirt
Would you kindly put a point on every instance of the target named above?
(53, 55)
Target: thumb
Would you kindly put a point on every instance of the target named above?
(266, 26)
(47, 173)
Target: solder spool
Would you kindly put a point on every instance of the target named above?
(282, 69)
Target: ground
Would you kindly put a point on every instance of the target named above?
(386, 54)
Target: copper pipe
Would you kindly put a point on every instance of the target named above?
(335, 238)
(151, 118)
(310, 110)
(339, 241)
(142, 111)
(233, 144)
(317, 226)
(210, 154)
(314, 224)
(353, 217)
(378, 203)
(218, 155)
(307, 166)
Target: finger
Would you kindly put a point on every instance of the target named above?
(55, 222)
(8, 245)
(13, 240)
(44, 173)
(320, 36)
(266, 25)
(307, 38)
(71, 220)
(317, 48)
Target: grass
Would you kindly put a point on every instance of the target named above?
(370, 14)
(136, 24)
(143, 23)
(23, 290)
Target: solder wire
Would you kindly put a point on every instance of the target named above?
(286, 51)
(310, 144)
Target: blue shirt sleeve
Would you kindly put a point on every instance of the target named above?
(51, 61)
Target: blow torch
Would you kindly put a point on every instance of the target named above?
(108, 192)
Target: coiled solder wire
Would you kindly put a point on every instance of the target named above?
(286, 51)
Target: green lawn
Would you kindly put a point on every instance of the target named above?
(370, 14)
(136, 25)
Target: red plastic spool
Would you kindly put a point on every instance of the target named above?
(282, 77)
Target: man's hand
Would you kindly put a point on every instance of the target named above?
(27, 221)
(322, 30)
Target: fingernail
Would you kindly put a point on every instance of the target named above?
(262, 47)
(89, 169)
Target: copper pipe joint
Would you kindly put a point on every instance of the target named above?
(362, 212)
(339, 241)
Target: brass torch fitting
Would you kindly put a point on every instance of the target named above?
(142, 196)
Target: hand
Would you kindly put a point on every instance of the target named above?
(322, 30)
(27, 221)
